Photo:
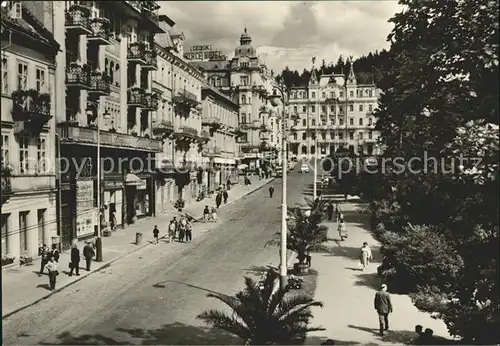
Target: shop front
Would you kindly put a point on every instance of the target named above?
(113, 198)
(139, 197)
(166, 192)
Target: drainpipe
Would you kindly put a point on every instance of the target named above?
(59, 192)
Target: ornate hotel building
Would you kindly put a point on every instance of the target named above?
(330, 113)
(248, 83)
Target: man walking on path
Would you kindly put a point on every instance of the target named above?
(75, 261)
(218, 200)
(225, 195)
(156, 231)
(329, 211)
(271, 191)
(45, 258)
(88, 253)
(383, 305)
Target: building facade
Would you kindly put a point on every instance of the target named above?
(107, 58)
(332, 112)
(221, 152)
(247, 82)
(28, 167)
(178, 121)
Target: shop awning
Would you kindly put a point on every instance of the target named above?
(132, 179)
(224, 161)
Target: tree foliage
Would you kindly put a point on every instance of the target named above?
(264, 316)
(439, 107)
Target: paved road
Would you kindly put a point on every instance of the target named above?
(154, 295)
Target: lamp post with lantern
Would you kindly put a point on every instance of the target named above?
(275, 102)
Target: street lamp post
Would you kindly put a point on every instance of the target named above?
(284, 229)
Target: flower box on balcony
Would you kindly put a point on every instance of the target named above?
(101, 32)
(31, 106)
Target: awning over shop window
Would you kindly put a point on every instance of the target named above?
(132, 180)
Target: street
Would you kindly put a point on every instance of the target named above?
(154, 295)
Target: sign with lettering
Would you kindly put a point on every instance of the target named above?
(86, 213)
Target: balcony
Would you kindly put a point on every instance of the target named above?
(250, 148)
(186, 98)
(6, 183)
(77, 20)
(30, 111)
(74, 134)
(150, 101)
(212, 152)
(136, 97)
(238, 131)
(164, 128)
(150, 60)
(78, 76)
(213, 122)
(204, 137)
(99, 84)
(101, 32)
(186, 133)
(141, 53)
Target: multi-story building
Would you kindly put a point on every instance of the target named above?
(178, 121)
(28, 173)
(107, 55)
(220, 121)
(333, 112)
(246, 81)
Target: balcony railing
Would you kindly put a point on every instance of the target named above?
(187, 133)
(211, 121)
(99, 83)
(142, 53)
(163, 128)
(101, 32)
(31, 109)
(78, 76)
(187, 98)
(204, 136)
(77, 20)
(136, 97)
(151, 101)
(150, 60)
(74, 134)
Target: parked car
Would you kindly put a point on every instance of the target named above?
(304, 169)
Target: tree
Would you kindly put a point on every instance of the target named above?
(305, 233)
(264, 316)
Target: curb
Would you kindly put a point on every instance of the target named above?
(106, 265)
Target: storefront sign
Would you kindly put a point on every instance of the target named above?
(113, 185)
(142, 185)
(85, 211)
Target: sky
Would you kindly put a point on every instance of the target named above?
(286, 33)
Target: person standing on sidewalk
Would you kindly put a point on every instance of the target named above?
(88, 253)
(171, 231)
(225, 196)
(53, 270)
(45, 253)
(218, 199)
(182, 229)
(206, 214)
(329, 211)
(271, 191)
(55, 253)
(156, 231)
(189, 232)
(383, 306)
(75, 261)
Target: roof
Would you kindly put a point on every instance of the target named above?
(211, 65)
(209, 88)
(29, 26)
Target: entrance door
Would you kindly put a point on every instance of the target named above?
(23, 233)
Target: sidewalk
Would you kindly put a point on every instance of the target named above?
(22, 287)
(347, 293)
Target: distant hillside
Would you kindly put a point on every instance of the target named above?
(367, 68)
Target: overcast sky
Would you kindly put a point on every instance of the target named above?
(286, 33)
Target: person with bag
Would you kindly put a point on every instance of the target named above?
(53, 270)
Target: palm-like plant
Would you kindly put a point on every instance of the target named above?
(264, 316)
(305, 233)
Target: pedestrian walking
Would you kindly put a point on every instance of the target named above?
(156, 232)
(189, 232)
(182, 229)
(228, 184)
(55, 253)
(75, 261)
(44, 253)
(214, 215)
(365, 256)
(53, 270)
(88, 253)
(342, 230)
(383, 306)
(176, 224)
(218, 200)
(247, 181)
(329, 211)
(225, 195)
(271, 191)
(206, 214)
(338, 212)
(171, 231)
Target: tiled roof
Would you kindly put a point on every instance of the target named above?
(210, 65)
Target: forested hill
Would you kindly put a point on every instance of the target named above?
(367, 68)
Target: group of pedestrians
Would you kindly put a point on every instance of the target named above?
(50, 261)
(181, 229)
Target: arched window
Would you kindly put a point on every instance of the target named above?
(304, 136)
(243, 99)
(212, 81)
(117, 74)
(304, 149)
(295, 136)
(106, 66)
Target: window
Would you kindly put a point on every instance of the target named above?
(351, 108)
(313, 122)
(244, 80)
(243, 99)
(295, 136)
(341, 121)
(22, 76)
(295, 109)
(23, 231)
(323, 95)
(361, 135)
(332, 108)
(244, 64)
(304, 123)
(313, 95)
(351, 93)
(5, 76)
(41, 226)
(41, 152)
(360, 121)
(341, 109)
(351, 121)
(5, 234)
(313, 109)
(323, 109)
(370, 135)
(370, 121)
(5, 150)
(360, 108)
(304, 136)
(341, 136)
(341, 94)
(23, 155)
(304, 110)
(40, 80)
(332, 94)
(351, 135)
(370, 93)
(243, 119)
(218, 82)
(370, 108)
(332, 121)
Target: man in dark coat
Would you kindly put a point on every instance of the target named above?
(75, 261)
(88, 253)
(383, 305)
(218, 200)
(271, 191)
(329, 211)
(45, 253)
(225, 195)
